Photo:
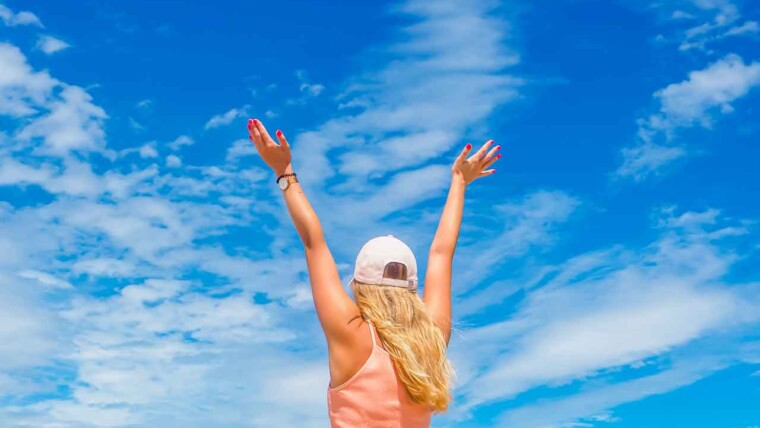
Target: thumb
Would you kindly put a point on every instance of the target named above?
(283, 140)
(463, 154)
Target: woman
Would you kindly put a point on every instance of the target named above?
(387, 350)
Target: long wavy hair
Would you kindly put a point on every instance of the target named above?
(416, 345)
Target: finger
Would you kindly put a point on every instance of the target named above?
(463, 154)
(492, 160)
(259, 140)
(283, 140)
(263, 132)
(490, 154)
(479, 154)
(487, 172)
(252, 134)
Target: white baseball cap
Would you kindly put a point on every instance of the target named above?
(386, 260)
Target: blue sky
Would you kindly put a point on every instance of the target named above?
(606, 275)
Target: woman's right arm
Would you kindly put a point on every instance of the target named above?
(437, 290)
(334, 306)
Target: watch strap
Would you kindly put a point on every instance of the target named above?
(292, 174)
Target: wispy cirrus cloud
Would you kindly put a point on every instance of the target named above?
(113, 225)
(311, 89)
(441, 77)
(521, 227)
(13, 19)
(22, 90)
(589, 407)
(140, 220)
(611, 309)
(698, 100)
(715, 87)
(695, 25)
(51, 45)
(227, 118)
(726, 22)
(135, 258)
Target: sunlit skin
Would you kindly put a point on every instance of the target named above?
(348, 338)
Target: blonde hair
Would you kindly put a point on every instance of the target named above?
(409, 334)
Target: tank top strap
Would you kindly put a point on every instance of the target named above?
(372, 333)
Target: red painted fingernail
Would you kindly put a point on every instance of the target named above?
(468, 146)
(279, 132)
(499, 155)
(498, 147)
(255, 121)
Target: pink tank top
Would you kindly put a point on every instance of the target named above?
(374, 397)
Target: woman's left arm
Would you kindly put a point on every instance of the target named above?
(334, 307)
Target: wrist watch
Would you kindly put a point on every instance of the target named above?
(285, 179)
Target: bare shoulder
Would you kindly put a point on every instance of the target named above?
(347, 356)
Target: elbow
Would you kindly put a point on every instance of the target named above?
(311, 233)
(311, 241)
(442, 250)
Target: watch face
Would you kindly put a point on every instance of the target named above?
(283, 183)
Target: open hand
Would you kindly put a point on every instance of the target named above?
(475, 166)
(277, 156)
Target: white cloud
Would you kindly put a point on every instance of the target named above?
(646, 159)
(696, 25)
(125, 342)
(626, 325)
(135, 125)
(623, 307)
(182, 140)
(227, 118)
(391, 111)
(519, 227)
(227, 354)
(73, 123)
(77, 179)
(22, 90)
(311, 89)
(148, 151)
(12, 19)
(402, 191)
(719, 19)
(173, 161)
(123, 346)
(583, 406)
(717, 86)
(679, 14)
(44, 278)
(17, 173)
(27, 328)
(240, 148)
(749, 27)
(698, 100)
(131, 221)
(141, 223)
(104, 267)
(51, 45)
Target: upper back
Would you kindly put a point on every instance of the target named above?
(374, 396)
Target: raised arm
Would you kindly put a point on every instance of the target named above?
(437, 291)
(334, 307)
